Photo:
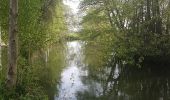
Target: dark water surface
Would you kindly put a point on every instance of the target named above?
(125, 83)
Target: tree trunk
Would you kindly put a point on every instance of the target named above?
(148, 16)
(0, 49)
(168, 21)
(12, 45)
(158, 18)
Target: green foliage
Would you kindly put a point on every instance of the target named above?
(99, 39)
(37, 80)
(125, 33)
(72, 36)
(134, 33)
(40, 25)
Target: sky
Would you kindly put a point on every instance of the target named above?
(73, 4)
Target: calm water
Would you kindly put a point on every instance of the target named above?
(72, 83)
(78, 82)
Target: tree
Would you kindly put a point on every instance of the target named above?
(12, 46)
(0, 50)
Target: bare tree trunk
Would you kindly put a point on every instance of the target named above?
(0, 49)
(12, 46)
(158, 19)
(148, 16)
(168, 19)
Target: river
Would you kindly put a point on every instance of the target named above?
(126, 83)
(72, 76)
(81, 81)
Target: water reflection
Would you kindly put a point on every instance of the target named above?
(140, 84)
(71, 82)
(80, 81)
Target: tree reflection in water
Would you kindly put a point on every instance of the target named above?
(147, 83)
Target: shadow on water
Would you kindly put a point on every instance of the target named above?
(132, 83)
(146, 83)
(80, 81)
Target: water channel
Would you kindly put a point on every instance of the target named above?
(80, 81)
(126, 83)
(73, 74)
